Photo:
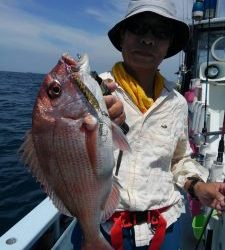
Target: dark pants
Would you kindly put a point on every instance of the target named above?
(171, 241)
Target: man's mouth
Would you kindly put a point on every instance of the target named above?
(144, 53)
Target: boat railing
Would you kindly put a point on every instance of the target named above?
(24, 234)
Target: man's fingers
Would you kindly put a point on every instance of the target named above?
(115, 109)
(110, 100)
(111, 85)
(120, 120)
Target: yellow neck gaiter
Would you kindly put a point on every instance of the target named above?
(135, 91)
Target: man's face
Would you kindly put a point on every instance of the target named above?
(145, 40)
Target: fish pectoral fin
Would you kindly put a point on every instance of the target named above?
(90, 125)
(111, 203)
(119, 138)
(90, 122)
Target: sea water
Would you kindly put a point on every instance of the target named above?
(19, 191)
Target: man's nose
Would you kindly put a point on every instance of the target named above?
(148, 39)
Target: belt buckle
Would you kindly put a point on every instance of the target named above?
(140, 217)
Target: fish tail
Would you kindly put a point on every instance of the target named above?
(97, 244)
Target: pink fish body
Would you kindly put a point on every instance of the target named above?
(70, 147)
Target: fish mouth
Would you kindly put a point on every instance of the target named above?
(70, 118)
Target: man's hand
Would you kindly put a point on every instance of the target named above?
(114, 105)
(211, 195)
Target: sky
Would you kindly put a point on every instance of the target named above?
(34, 33)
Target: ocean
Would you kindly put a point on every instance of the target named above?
(19, 191)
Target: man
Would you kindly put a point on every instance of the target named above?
(148, 214)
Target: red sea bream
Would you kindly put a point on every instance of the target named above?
(70, 147)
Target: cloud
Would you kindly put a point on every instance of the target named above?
(109, 13)
(24, 33)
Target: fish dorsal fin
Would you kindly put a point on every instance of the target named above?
(111, 203)
(119, 138)
(30, 159)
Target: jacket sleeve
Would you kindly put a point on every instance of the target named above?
(183, 165)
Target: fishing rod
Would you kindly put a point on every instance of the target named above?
(221, 143)
(204, 130)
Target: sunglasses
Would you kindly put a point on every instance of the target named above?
(141, 28)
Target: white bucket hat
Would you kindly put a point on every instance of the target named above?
(164, 8)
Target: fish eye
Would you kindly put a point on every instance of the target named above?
(54, 89)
